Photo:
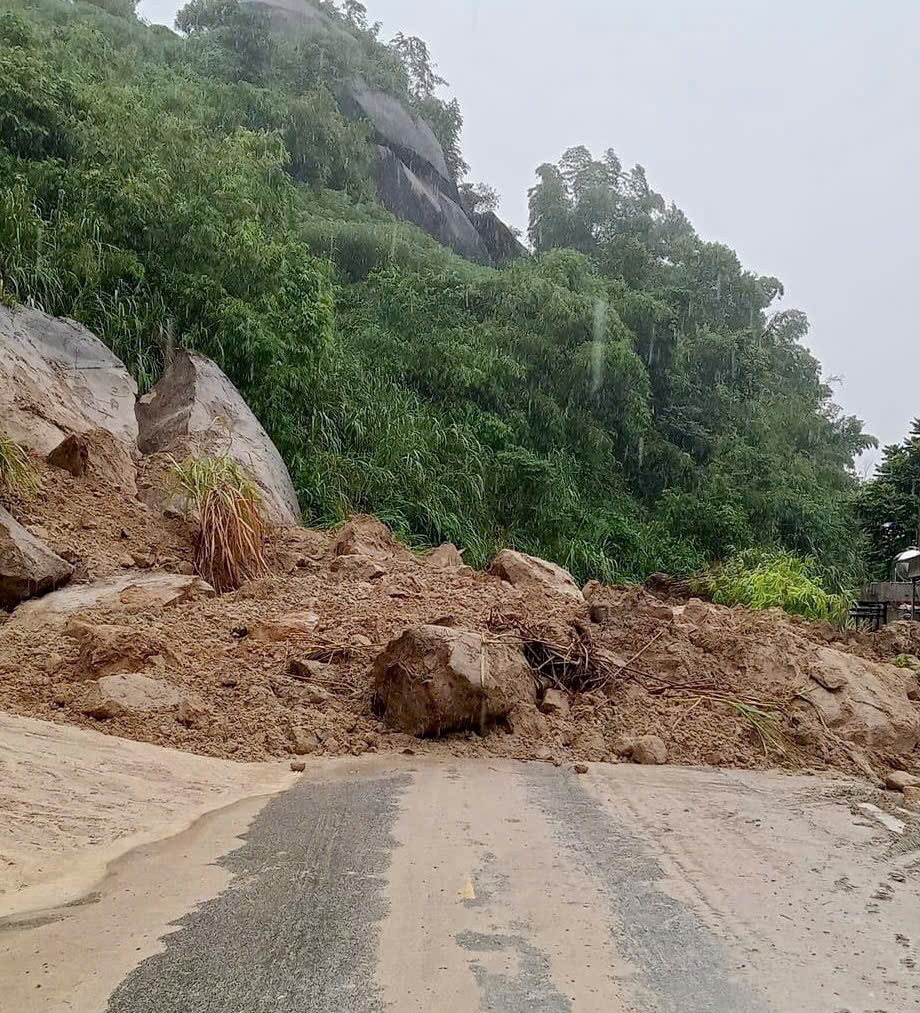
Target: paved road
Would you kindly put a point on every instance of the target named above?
(427, 887)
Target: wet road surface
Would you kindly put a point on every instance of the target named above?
(416, 885)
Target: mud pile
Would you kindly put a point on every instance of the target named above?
(285, 666)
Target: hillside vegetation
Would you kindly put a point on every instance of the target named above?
(625, 400)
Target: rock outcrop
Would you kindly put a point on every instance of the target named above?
(437, 679)
(529, 572)
(425, 201)
(412, 176)
(130, 593)
(195, 408)
(27, 566)
(57, 380)
(502, 245)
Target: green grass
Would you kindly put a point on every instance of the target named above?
(775, 579)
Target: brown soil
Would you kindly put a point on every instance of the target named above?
(229, 656)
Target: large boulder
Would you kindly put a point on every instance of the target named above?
(57, 380)
(130, 593)
(437, 679)
(110, 649)
(27, 566)
(860, 701)
(364, 535)
(531, 573)
(131, 693)
(195, 408)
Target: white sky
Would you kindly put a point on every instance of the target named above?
(789, 130)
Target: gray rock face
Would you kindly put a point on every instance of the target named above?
(56, 379)
(416, 199)
(412, 176)
(408, 136)
(195, 407)
(27, 567)
(296, 15)
(502, 245)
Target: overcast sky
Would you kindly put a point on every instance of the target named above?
(789, 130)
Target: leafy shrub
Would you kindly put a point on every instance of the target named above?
(232, 529)
(761, 579)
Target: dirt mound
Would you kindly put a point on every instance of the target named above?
(288, 664)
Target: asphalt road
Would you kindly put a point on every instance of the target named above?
(422, 886)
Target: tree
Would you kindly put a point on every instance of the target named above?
(889, 504)
(121, 8)
(479, 197)
(233, 43)
(415, 56)
(355, 14)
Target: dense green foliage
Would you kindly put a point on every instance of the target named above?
(621, 402)
(762, 580)
(889, 505)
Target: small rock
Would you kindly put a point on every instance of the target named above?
(294, 624)
(357, 568)
(142, 560)
(192, 712)
(525, 720)
(899, 780)
(581, 768)
(555, 701)
(304, 741)
(912, 796)
(186, 568)
(624, 745)
(126, 561)
(229, 681)
(444, 557)
(649, 749)
(71, 454)
(303, 668)
(600, 613)
(366, 536)
(359, 640)
(523, 571)
(298, 766)
(27, 566)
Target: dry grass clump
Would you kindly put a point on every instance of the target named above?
(232, 526)
(16, 472)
